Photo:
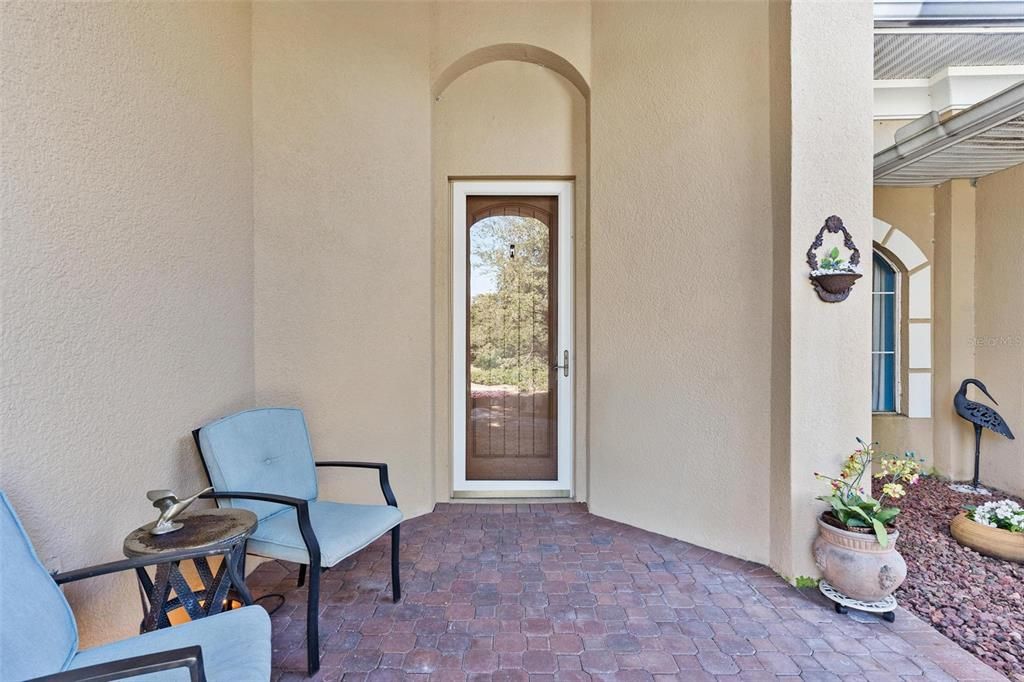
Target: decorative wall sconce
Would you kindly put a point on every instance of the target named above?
(833, 277)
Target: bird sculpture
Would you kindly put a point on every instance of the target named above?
(982, 416)
(170, 507)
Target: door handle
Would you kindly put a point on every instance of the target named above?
(565, 364)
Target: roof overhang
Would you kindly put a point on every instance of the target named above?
(934, 13)
(986, 138)
(951, 89)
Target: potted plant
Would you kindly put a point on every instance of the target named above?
(995, 529)
(856, 544)
(834, 274)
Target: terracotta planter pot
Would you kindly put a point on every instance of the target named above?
(993, 542)
(856, 565)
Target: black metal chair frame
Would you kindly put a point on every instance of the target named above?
(313, 545)
(190, 657)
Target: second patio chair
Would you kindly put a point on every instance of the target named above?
(262, 460)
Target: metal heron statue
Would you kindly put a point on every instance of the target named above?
(981, 416)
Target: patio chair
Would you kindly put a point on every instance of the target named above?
(262, 460)
(39, 638)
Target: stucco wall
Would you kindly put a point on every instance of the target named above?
(999, 320)
(829, 344)
(510, 119)
(681, 271)
(459, 28)
(341, 135)
(911, 211)
(955, 265)
(126, 268)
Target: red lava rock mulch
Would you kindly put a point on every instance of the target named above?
(976, 601)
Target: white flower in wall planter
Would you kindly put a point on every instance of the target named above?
(834, 276)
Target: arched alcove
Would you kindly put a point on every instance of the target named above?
(508, 111)
(511, 52)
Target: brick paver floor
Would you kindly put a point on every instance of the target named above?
(551, 592)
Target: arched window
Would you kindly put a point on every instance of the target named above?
(884, 320)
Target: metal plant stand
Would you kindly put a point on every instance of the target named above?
(842, 603)
(226, 529)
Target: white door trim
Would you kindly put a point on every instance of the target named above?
(563, 189)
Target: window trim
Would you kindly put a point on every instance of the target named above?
(897, 313)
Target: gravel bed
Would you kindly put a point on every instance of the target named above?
(976, 601)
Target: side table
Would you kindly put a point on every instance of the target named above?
(214, 529)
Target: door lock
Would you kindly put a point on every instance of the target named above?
(565, 364)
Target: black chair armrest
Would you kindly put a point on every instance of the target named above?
(136, 562)
(259, 497)
(190, 657)
(382, 474)
(301, 511)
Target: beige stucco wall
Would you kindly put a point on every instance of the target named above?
(828, 164)
(910, 210)
(999, 320)
(341, 134)
(955, 266)
(509, 119)
(126, 268)
(680, 271)
(460, 28)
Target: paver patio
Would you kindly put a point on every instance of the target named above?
(545, 592)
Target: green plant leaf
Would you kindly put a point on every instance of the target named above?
(861, 513)
(857, 523)
(887, 514)
(880, 533)
(834, 253)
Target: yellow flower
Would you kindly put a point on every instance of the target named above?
(894, 490)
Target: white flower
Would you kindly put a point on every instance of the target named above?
(1005, 514)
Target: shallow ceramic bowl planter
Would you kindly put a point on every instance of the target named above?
(993, 542)
(856, 564)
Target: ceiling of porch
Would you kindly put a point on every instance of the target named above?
(952, 71)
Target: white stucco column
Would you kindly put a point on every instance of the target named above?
(821, 66)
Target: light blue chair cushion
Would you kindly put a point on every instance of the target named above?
(265, 451)
(341, 529)
(236, 647)
(38, 635)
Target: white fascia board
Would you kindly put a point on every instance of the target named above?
(950, 90)
(902, 98)
(959, 87)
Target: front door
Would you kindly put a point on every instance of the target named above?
(512, 324)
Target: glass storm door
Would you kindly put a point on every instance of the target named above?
(515, 356)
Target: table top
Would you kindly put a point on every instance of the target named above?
(201, 528)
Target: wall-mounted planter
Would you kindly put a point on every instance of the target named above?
(993, 542)
(833, 283)
(836, 286)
